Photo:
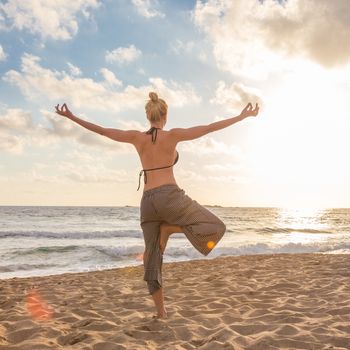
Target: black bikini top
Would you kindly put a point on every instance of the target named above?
(153, 131)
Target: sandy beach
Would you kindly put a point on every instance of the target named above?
(281, 301)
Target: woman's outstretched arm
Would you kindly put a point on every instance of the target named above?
(185, 134)
(114, 134)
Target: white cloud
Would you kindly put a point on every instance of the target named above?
(196, 177)
(146, 8)
(110, 77)
(15, 119)
(37, 82)
(141, 71)
(202, 56)
(123, 54)
(227, 179)
(218, 118)
(192, 48)
(226, 167)
(78, 155)
(40, 172)
(237, 172)
(176, 94)
(17, 129)
(2, 54)
(253, 38)
(84, 170)
(13, 122)
(190, 175)
(235, 96)
(92, 172)
(11, 143)
(61, 127)
(133, 125)
(74, 70)
(55, 19)
(207, 145)
(180, 47)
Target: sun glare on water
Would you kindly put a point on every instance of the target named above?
(301, 225)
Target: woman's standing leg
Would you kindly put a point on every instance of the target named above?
(153, 262)
(158, 299)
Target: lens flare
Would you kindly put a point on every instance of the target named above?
(37, 307)
(210, 244)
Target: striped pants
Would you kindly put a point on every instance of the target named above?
(169, 204)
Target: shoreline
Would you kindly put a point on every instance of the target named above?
(261, 301)
(109, 267)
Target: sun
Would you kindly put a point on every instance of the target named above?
(298, 144)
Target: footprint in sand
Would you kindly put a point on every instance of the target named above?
(71, 338)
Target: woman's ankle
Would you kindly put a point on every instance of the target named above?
(162, 314)
(164, 228)
(170, 229)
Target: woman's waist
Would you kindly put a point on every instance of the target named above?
(158, 177)
(152, 188)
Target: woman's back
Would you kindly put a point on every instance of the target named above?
(159, 152)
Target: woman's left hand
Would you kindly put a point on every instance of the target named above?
(64, 111)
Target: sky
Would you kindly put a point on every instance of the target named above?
(207, 59)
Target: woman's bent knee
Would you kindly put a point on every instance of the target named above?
(221, 227)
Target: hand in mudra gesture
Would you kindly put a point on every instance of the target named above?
(248, 111)
(64, 111)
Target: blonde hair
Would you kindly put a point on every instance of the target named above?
(156, 108)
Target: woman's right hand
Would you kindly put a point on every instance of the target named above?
(64, 111)
(248, 111)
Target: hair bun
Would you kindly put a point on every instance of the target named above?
(153, 96)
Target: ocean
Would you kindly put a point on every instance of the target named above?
(46, 240)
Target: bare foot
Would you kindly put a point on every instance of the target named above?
(161, 315)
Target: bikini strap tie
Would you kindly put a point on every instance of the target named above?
(144, 171)
(153, 130)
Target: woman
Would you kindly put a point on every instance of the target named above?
(165, 208)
